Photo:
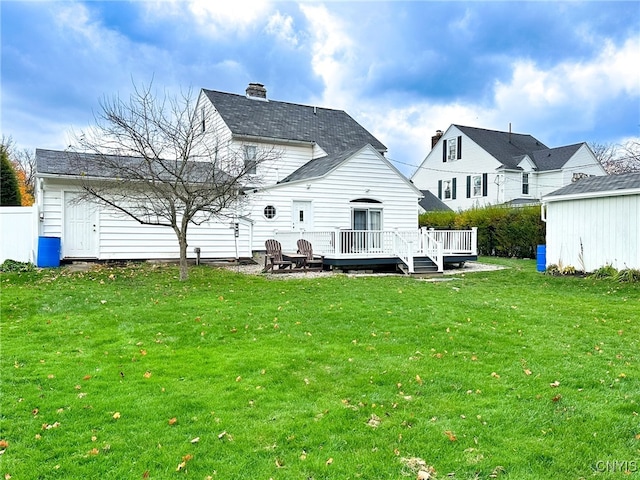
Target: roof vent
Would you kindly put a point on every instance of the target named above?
(257, 91)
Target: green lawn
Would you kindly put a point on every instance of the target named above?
(126, 372)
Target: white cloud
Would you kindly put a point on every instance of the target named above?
(222, 17)
(568, 97)
(281, 26)
(333, 54)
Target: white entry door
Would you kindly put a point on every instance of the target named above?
(302, 216)
(80, 227)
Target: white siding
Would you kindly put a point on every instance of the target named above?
(120, 237)
(365, 175)
(607, 227)
(474, 159)
(287, 160)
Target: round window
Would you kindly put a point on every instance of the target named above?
(269, 211)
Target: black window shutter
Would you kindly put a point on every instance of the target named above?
(459, 147)
(484, 184)
(453, 188)
(444, 150)
(440, 189)
(468, 186)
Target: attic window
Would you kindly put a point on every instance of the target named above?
(452, 149)
(203, 120)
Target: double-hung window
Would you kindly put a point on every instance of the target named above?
(477, 185)
(250, 163)
(452, 149)
(447, 189)
(525, 184)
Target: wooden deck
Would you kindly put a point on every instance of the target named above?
(413, 251)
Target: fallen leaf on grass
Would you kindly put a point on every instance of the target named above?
(222, 435)
(94, 451)
(330, 461)
(86, 377)
(374, 421)
(173, 421)
(195, 440)
(527, 371)
(557, 398)
(46, 426)
(450, 435)
(147, 374)
(279, 463)
(554, 384)
(495, 375)
(116, 415)
(184, 461)
(418, 379)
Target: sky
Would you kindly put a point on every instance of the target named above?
(564, 72)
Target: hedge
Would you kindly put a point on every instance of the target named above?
(502, 231)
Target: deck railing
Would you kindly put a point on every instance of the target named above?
(403, 244)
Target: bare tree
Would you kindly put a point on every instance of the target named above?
(616, 158)
(151, 159)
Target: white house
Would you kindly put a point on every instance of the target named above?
(331, 175)
(469, 167)
(594, 222)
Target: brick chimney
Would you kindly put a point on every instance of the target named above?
(436, 137)
(256, 90)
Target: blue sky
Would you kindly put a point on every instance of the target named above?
(564, 72)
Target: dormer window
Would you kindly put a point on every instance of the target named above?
(250, 163)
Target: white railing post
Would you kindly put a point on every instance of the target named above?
(474, 240)
(338, 242)
(410, 256)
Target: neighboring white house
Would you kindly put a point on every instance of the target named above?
(470, 167)
(594, 222)
(331, 173)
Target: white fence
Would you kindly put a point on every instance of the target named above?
(18, 234)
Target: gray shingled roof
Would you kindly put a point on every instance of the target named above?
(333, 130)
(601, 183)
(554, 158)
(431, 203)
(320, 166)
(59, 162)
(507, 148)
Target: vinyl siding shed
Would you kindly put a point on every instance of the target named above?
(594, 222)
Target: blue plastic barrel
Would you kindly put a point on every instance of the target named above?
(541, 258)
(48, 252)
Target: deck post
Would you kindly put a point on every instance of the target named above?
(474, 240)
(338, 245)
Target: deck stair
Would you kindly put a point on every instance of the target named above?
(422, 266)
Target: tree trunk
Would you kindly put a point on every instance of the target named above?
(184, 267)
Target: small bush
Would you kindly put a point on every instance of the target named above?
(553, 269)
(569, 270)
(628, 275)
(606, 271)
(14, 266)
